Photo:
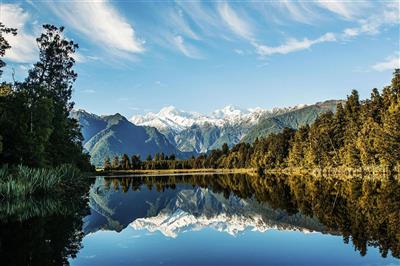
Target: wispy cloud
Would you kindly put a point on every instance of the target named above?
(186, 49)
(390, 15)
(238, 25)
(23, 45)
(100, 22)
(298, 11)
(178, 23)
(292, 45)
(345, 9)
(390, 63)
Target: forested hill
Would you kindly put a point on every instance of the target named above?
(114, 135)
(107, 136)
(293, 119)
(361, 134)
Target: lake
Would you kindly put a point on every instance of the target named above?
(211, 220)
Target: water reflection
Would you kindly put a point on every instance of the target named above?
(365, 211)
(41, 231)
(170, 213)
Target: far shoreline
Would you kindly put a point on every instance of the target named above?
(339, 171)
(101, 172)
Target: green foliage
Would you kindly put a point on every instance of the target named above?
(107, 164)
(35, 123)
(293, 119)
(4, 45)
(365, 211)
(115, 135)
(22, 181)
(360, 134)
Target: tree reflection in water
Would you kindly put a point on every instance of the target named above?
(44, 231)
(364, 210)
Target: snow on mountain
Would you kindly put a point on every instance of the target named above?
(172, 118)
(172, 225)
(194, 210)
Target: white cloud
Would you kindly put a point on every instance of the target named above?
(299, 11)
(187, 50)
(390, 15)
(390, 63)
(23, 45)
(235, 23)
(292, 45)
(239, 51)
(346, 9)
(180, 25)
(100, 22)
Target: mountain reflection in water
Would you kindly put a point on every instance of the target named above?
(365, 211)
(224, 216)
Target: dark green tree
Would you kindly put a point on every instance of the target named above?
(125, 163)
(107, 164)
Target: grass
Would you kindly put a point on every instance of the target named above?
(22, 181)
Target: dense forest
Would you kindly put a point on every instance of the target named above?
(361, 133)
(35, 125)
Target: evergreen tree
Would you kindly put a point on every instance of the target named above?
(4, 45)
(125, 163)
(135, 162)
(350, 152)
(52, 77)
(225, 149)
(115, 163)
(107, 164)
(299, 147)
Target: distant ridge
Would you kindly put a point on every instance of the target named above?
(182, 133)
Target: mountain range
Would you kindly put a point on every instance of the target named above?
(183, 133)
(186, 209)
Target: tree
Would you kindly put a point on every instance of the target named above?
(115, 163)
(4, 45)
(135, 162)
(149, 158)
(107, 164)
(125, 163)
(389, 135)
(225, 149)
(52, 77)
(367, 142)
(299, 147)
(350, 152)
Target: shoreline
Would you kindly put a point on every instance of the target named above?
(339, 171)
(177, 171)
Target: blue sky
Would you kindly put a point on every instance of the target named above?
(139, 56)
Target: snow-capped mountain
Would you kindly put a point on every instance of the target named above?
(196, 209)
(188, 133)
(187, 209)
(195, 132)
(171, 117)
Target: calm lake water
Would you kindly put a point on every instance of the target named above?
(214, 220)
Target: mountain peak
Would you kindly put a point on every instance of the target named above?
(229, 111)
(169, 110)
